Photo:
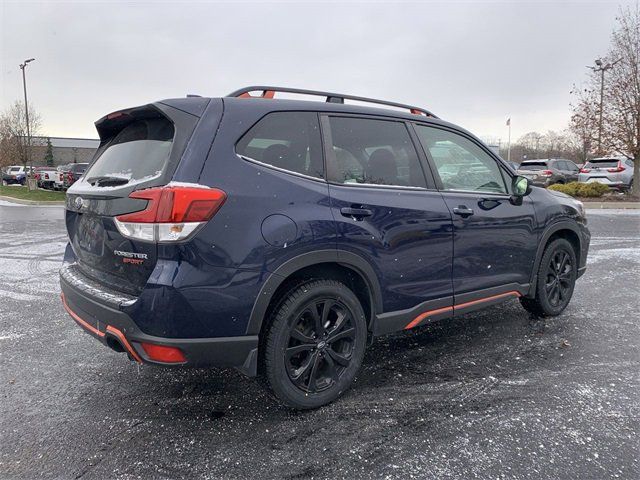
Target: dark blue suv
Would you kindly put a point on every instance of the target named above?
(279, 236)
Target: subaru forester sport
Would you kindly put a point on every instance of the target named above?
(280, 236)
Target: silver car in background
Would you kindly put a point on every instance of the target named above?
(615, 172)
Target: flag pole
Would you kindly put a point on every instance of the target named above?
(509, 140)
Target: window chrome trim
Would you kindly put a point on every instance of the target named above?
(478, 192)
(382, 187)
(278, 169)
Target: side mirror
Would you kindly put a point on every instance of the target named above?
(520, 187)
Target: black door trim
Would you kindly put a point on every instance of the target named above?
(446, 307)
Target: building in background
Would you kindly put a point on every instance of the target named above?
(65, 150)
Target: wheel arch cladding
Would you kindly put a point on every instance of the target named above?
(350, 269)
(564, 229)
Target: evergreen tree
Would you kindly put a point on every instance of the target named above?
(48, 156)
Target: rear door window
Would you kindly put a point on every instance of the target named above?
(287, 140)
(571, 166)
(140, 151)
(373, 152)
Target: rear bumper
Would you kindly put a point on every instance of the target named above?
(616, 183)
(100, 315)
(542, 182)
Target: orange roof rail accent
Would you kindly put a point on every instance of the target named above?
(269, 92)
(265, 94)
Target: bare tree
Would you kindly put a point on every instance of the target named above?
(13, 133)
(583, 124)
(621, 96)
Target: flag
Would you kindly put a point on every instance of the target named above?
(509, 122)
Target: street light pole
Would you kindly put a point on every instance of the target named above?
(26, 114)
(601, 67)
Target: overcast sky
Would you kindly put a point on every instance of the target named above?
(472, 63)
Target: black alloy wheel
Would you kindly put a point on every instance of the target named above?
(314, 344)
(556, 278)
(320, 347)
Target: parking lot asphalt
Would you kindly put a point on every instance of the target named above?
(495, 394)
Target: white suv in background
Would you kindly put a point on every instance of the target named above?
(615, 172)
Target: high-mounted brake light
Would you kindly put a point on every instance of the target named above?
(172, 213)
(617, 169)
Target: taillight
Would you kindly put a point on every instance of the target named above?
(163, 353)
(585, 170)
(172, 213)
(546, 173)
(618, 169)
(70, 176)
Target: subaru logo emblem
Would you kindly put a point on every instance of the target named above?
(78, 202)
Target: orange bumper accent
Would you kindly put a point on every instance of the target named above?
(112, 330)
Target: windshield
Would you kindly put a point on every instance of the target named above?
(139, 151)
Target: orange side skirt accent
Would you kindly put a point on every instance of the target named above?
(492, 297)
(422, 316)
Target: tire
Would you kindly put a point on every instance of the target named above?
(309, 362)
(556, 280)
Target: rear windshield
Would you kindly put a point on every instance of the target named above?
(533, 165)
(139, 151)
(79, 167)
(602, 163)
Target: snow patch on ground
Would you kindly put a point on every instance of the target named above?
(614, 254)
(17, 295)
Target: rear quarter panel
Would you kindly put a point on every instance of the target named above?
(209, 285)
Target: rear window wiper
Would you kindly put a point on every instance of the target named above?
(107, 181)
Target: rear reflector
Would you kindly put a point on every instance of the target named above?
(172, 212)
(164, 354)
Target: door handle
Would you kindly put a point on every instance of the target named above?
(355, 213)
(463, 211)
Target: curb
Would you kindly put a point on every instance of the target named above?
(21, 201)
(612, 205)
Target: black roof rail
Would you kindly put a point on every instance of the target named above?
(269, 92)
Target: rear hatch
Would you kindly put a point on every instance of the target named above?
(532, 169)
(139, 148)
(601, 169)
